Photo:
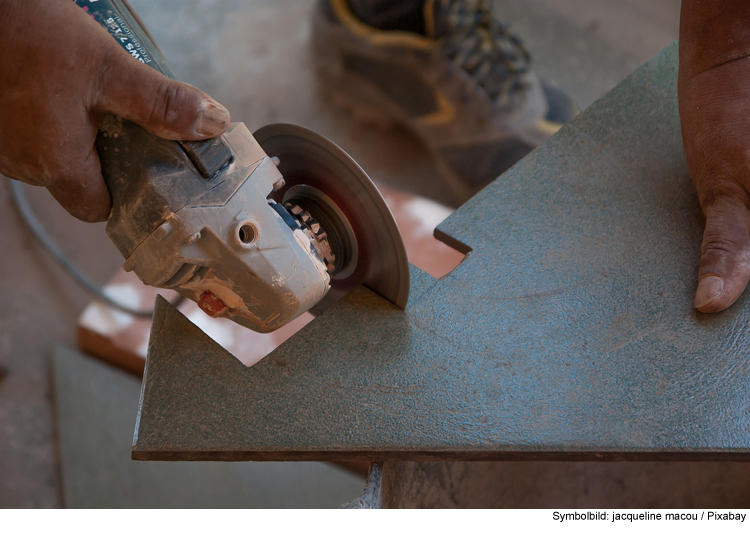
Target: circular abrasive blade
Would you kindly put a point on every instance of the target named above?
(310, 159)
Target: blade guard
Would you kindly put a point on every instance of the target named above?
(308, 158)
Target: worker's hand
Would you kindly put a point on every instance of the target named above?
(60, 72)
(714, 96)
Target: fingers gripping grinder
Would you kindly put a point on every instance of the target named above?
(254, 238)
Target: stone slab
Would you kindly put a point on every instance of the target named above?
(567, 333)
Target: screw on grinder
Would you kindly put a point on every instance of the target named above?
(249, 237)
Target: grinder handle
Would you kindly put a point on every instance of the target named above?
(123, 25)
(116, 16)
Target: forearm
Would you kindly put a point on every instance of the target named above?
(9, 10)
(712, 32)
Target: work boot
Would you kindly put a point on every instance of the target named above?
(452, 74)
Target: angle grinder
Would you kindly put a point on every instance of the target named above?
(255, 238)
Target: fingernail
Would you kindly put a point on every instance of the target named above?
(212, 119)
(709, 290)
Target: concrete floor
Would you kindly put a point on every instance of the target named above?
(252, 56)
(96, 408)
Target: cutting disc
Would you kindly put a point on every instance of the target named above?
(310, 162)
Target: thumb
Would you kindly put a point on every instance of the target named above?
(166, 107)
(725, 259)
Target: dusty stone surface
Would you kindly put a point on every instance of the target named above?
(568, 332)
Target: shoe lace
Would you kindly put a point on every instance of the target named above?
(486, 50)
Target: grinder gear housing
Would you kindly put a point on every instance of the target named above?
(257, 229)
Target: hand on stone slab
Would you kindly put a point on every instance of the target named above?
(714, 99)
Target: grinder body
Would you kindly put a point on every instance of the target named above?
(196, 217)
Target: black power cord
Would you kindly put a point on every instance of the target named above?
(18, 196)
